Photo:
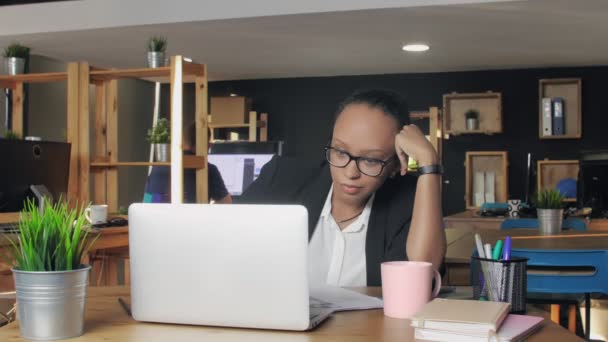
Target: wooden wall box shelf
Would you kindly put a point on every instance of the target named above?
(489, 106)
(550, 172)
(487, 161)
(570, 89)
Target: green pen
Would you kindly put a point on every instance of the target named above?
(497, 250)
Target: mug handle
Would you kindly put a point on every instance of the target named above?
(87, 214)
(437, 283)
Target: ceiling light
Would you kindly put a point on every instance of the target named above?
(188, 59)
(415, 47)
(233, 94)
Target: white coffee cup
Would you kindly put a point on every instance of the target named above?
(97, 213)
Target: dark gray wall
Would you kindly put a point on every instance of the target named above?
(301, 110)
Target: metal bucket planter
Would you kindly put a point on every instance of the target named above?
(550, 221)
(15, 65)
(472, 124)
(162, 152)
(156, 59)
(50, 305)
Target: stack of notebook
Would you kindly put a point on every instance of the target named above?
(467, 320)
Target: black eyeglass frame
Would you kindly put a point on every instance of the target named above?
(384, 163)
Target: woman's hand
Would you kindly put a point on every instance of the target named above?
(410, 142)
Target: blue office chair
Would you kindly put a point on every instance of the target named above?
(589, 276)
(569, 223)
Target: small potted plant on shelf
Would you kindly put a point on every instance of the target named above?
(160, 136)
(550, 211)
(11, 135)
(156, 51)
(50, 279)
(472, 117)
(15, 56)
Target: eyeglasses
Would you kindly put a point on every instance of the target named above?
(368, 166)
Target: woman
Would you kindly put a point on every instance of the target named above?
(363, 207)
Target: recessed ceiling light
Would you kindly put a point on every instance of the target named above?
(415, 47)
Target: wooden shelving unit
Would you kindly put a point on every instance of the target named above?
(570, 89)
(489, 106)
(253, 125)
(551, 172)
(487, 161)
(105, 161)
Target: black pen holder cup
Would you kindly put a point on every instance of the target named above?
(500, 281)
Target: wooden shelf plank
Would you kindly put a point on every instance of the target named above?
(556, 137)
(162, 74)
(420, 115)
(190, 162)
(105, 75)
(8, 81)
(260, 124)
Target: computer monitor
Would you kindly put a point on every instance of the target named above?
(240, 163)
(593, 182)
(26, 163)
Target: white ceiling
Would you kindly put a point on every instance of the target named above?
(298, 40)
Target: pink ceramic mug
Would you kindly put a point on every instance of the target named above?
(406, 287)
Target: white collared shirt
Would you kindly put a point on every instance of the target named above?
(337, 257)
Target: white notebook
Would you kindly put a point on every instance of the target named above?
(463, 316)
(515, 328)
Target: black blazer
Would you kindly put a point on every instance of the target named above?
(292, 181)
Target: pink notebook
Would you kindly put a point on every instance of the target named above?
(514, 328)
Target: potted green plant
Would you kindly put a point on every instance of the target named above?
(156, 51)
(472, 119)
(11, 135)
(550, 210)
(15, 56)
(160, 136)
(50, 279)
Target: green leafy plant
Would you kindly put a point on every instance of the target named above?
(471, 114)
(11, 135)
(160, 134)
(16, 50)
(52, 240)
(549, 199)
(157, 44)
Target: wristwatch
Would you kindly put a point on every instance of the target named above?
(431, 169)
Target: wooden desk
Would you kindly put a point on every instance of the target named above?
(461, 243)
(109, 238)
(106, 321)
(469, 219)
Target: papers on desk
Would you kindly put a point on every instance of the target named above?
(339, 299)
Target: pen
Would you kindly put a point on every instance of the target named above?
(479, 244)
(507, 249)
(497, 250)
(488, 250)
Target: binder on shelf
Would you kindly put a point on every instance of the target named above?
(547, 116)
(558, 116)
(490, 180)
(479, 189)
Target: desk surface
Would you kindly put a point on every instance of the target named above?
(471, 217)
(461, 241)
(106, 321)
(112, 237)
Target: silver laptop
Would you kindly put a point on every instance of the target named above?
(221, 265)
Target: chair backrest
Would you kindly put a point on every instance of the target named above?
(513, 223)
(570, 223)
(566, 271)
